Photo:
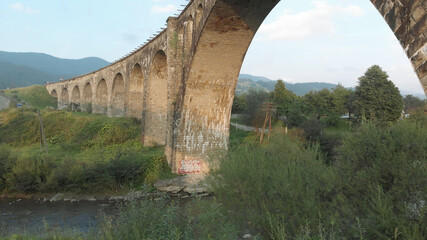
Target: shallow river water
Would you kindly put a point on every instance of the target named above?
(26, 216)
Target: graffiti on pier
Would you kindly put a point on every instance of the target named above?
(190, 166)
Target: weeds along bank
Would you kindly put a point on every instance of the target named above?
(85, 152)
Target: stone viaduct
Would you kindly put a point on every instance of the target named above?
(181, 83)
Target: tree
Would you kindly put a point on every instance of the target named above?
(239, 104)
(254, 100)
(376, 97)
(412, 103)
(319, 102)
(283, 98)
(340, 98)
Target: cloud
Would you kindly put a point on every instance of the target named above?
(22, 8)
(163, 9)
(314, 22)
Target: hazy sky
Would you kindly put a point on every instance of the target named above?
(301, 40)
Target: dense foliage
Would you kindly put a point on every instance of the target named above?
(86, 153)
(375, 190)
(376, 97)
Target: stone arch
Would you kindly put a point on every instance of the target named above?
(117, 108)
(54, 94)
(101, 98)
(199, 14)
(214, 69)
(155, 111)
(75, 99)
(64, 99)
(136, 92)
(86, 105)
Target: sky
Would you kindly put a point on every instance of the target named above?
(332, 41)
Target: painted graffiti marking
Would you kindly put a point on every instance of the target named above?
(190, 166)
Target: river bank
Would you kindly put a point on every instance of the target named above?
(178, 187)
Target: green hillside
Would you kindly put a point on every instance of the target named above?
(12, 76)
(35, 96)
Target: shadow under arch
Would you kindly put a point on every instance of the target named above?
(75, 99)
(156, 101)
(117, 107)
(86, 105)
(135, 94)
(101, 98)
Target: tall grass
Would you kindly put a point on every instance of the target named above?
(167, 219)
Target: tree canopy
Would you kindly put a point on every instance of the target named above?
(376, 97)
(283, 98)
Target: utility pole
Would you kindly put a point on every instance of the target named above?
(268, 111)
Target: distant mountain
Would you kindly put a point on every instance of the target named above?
(12, 76)
(247, 81)
(254, 78)
(53, 65)
(25, 69)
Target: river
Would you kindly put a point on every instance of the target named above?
(31, 216)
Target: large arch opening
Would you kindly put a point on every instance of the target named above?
(75, 99)
(54, 93)
(215, 67)
(136, 93)
(86, 105)
(117, 108)
(64, 100)
(101, 98)
(156, 101)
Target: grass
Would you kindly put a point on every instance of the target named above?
(86, 153)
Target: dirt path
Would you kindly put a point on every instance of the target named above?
(246, 128)
(4, 102)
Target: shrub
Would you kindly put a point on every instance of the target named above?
(313, 129)
(29, 174)
(280, 178)
(7, 160)
(382, 178)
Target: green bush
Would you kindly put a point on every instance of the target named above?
(382, 180)
(29, 174)
(313, 129)
(7, 160)
(280, 178)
